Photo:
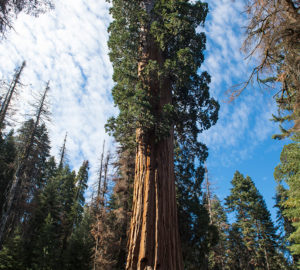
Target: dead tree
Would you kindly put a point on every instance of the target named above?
(15, 192)
(9, 95)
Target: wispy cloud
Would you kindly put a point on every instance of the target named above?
(67, 46)
(244, 123)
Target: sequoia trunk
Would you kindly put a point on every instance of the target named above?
(154, 238)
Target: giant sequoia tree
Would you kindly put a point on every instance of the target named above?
(156, 53)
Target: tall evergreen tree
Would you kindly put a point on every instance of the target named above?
(7, 164)
(81, 186)
(156, 53)
(59, 225)
(218, 256)
(197, 233)
(238, 254)
(80, 246)
(285, 226)
(20, 180)
(254, 223)
(288, 172)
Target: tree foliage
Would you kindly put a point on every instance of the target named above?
(173, 29)
(288, 173)
(273, 35)
(9, 9)
(253, 226)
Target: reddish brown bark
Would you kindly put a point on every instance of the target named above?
(154, 238)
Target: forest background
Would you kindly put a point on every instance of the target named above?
(68, 46)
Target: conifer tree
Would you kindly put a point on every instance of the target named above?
(238, 255)
(62, 157)
(218, 256)
(107, 227)
(9, 9)
(156, 54)
(253, 222)
(81, 186)
(285, 226)
(12, 254)
(121, 204)
(288, 172)
(197, 234)
(59, 225)
(20, 179)
(80, 246)
(7, 164)
(113, 220)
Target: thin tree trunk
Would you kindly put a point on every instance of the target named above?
(9, 95)
(105, 179)
(100, 173)
(154, 237)
(98, 210)
(208, 195)
(63, 152)
(15, 190)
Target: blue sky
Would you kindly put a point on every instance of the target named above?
(68, 46)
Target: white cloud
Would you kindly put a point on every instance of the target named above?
(243, 123)
(67, 46)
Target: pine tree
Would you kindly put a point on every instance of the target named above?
(197, 234)
(288, 172)
(238, 255)
(79, 251)
(156, 54)
(81, 186)
(120, 205)
(218, 257)
(7, 164)
(284, 224)
(55, 229)
(12, 253)
(254, 223)
(43, 238)
(67, 190)
(19, 182)
(33, 178)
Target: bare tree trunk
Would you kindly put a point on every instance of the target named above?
(9, 95)
(98, 213)
(105, 179)
(63, 152)
(154, 237)
(15, 191)
(208, 196)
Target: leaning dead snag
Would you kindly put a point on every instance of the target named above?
(5, 105)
